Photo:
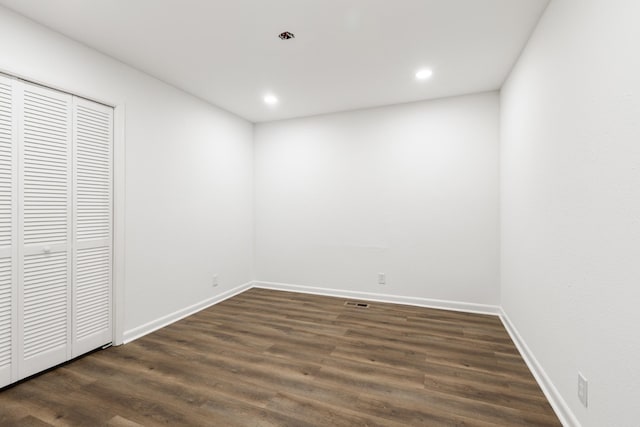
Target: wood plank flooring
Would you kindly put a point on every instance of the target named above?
(269, 358)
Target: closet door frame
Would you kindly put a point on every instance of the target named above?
(118, 186)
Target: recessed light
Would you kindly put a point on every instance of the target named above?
(424, 74)
(270, 99)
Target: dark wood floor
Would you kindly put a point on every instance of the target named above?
(268, 358)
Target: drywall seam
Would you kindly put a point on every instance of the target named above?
(154, 325)
(394, 299)
(560, 407)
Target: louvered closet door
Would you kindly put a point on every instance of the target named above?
(93, 124)
(44, 306)
(8, 215)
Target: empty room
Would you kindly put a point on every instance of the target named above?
(319, 213)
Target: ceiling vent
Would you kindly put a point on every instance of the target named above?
(287, 35)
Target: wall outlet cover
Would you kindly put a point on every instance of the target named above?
(582, 389)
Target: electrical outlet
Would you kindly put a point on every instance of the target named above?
(382, 280)
(214, 282)
(582, 389)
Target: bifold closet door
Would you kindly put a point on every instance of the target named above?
(44, 274)
(8, 215)
(55, 227)
(92, 183)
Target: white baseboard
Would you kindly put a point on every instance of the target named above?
(395, 299)
(562, 410)
(154, 325)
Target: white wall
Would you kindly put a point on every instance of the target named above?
(408, 190)
(571, 203)
(188, 172)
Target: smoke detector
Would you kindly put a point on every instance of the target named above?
(287, 35)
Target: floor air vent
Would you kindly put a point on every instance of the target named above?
(356, 304)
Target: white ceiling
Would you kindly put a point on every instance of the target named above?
(347, 54)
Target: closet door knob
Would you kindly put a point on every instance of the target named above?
(46, 249)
